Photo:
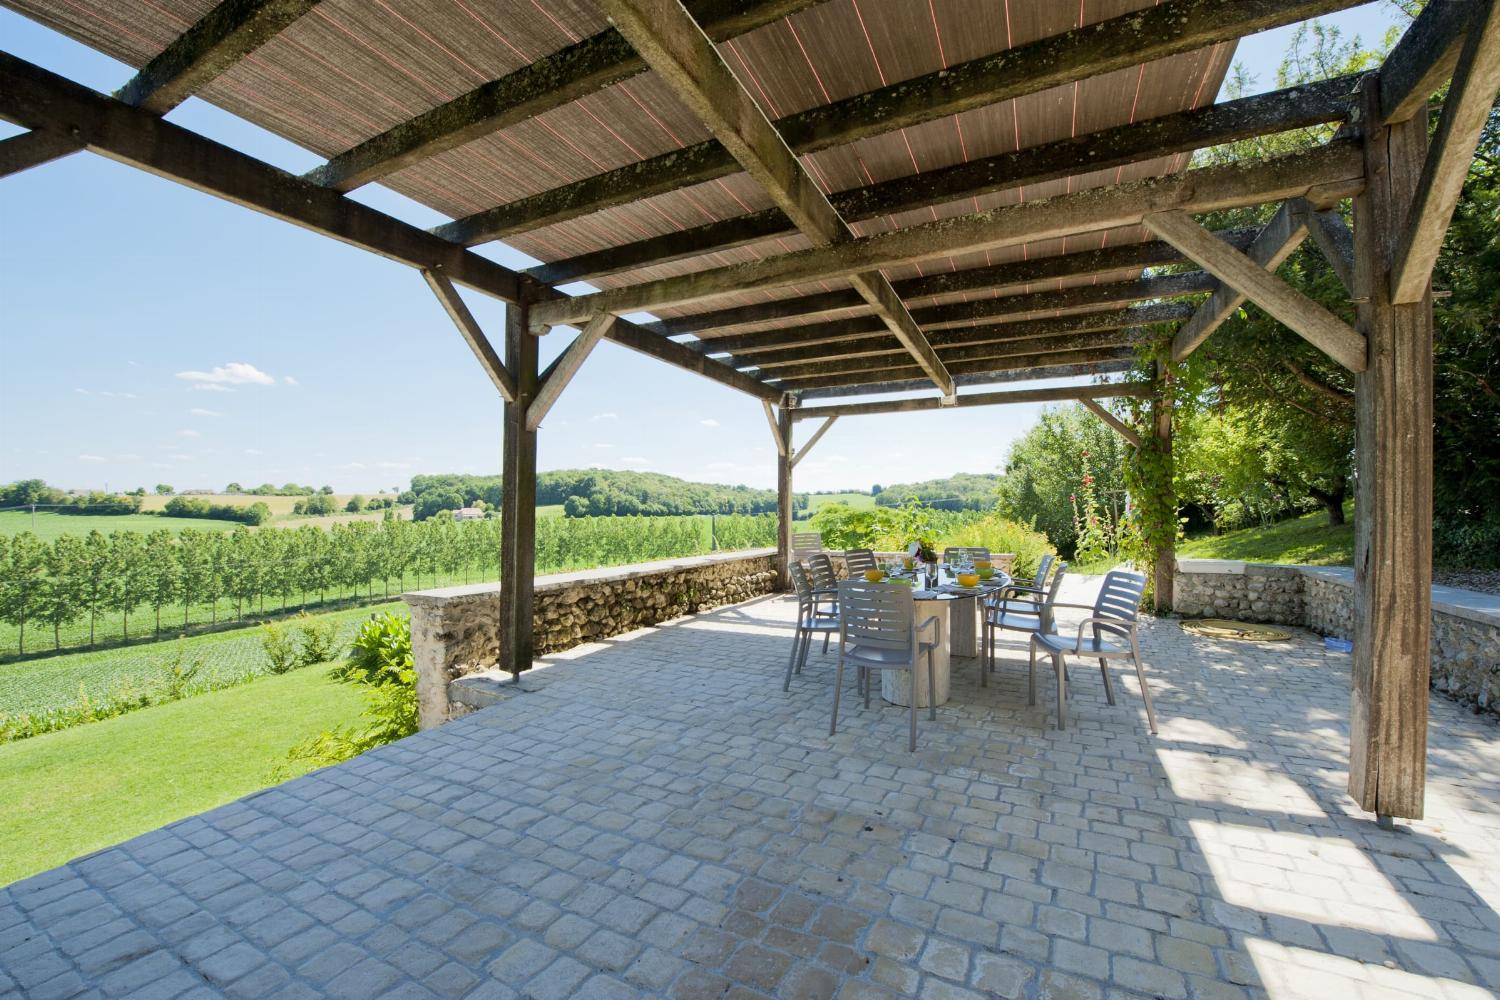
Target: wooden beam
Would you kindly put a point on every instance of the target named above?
(967, 380)
(473, 334)
(1085, 298)
(1424, 58)
(1119, 426)
(1333, 169)
(1016, 274)
(544, 85)
(215, 43)
(781, 439)
(1393, 501)
(817, 436)
(1277, 241)
(1262, 114)
(1085, 394)
(1334, 239)
(1173, 27)
(1307, 318)
(518, 500)
(684, 57)
(35, 98)
(785, 499)
(630, 335)
(1015, 363)
(1467, 108)
(568, 364)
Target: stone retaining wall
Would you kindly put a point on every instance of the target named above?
(456, 630)
(1465, 623)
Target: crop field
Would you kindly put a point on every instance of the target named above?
(859, 501)
(280, 506)
(59, 682)
(49, 526)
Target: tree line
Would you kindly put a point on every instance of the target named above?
(596, 493)
(98, 578)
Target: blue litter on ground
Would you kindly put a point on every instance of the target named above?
(1338, 645)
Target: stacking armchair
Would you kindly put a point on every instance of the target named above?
(1029, 614)
(1108, 633)
(811, 619)
(955, 554)
(859, 560)
(805, 543)
(877, 632)
(825, 586)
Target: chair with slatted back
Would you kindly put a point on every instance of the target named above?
(1010, 613)
(877, 632)
(805, 543)
(957, 555)
(859, 560)
(810, 619)
(1114, 614)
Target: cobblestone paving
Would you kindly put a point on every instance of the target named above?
(653, 816)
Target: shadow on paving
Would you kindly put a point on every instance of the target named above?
(652, 815)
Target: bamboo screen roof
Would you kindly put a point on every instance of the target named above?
(350, 69)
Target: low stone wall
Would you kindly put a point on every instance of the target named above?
(455, 631)
(1465, 623)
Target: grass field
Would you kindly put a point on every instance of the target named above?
(71, 792)
(54, 682)
(49, 526)
(1307, 540)
(859, 501)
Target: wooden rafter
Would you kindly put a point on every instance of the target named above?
(567, 365)
(1328, 172)
(1307, 318)
(967, 380)
(1424, 58)
(473, 334)
(1013, 363)
(1294, 107)
(1276, 242)
(536, 88)
(217, 42)
(674, 45)
(1111, 421)
(1467, 108)
(1082, 393)
(1014, 275)
(1173, 27)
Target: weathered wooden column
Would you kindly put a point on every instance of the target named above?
(518, 497)
(784, 510)
(1393, 495)
(1165, 568)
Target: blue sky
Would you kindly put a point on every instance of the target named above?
(149, 333)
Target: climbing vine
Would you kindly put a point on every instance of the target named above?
(1149, 468)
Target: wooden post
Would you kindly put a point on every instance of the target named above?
(1393, 497)
(518, 497)
(1165, 570)
(784, 511)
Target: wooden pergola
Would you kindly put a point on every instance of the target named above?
(848, 198)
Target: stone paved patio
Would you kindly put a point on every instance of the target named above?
(653, 816)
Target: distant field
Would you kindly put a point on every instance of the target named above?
(549, 510)
(49, 526)
(281, 507)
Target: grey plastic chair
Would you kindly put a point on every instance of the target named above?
(1114, 614)
(859, 560)
(877, 631)
(825, 586)
(1029, 615)
(809, 621)
(805, 543)
(1037, 585)
(955, 554)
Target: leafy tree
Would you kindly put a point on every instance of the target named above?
(130, 580)
(234, 488)
(192, 569)
(59, 603)
(964, 491)
(435, 502)
(327, 491)
(164, 490)
(22, 585)
(355, 505)
(25, 492)
(162, 572)
(1045, 469)
(94, 571)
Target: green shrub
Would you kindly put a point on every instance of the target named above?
(280, 647)
(999, 534)
(381, 660)
(319, 640)
(179, 674)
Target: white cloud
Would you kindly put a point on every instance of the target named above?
(83, 392)
(710, 422)
(90, 458)
(188, 433)
(605, 416)
(212, 387)
(633, 460)
(253, 451)
(181, 458)
(234, 373)
(199, 411)
(289, 380)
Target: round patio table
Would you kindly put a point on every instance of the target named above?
(957, 611)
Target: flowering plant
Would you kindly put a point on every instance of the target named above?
(925, 551)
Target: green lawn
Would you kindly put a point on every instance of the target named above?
(1307, 540)
(51, 525)
(71, 792)
(54, 682)
(859, 501)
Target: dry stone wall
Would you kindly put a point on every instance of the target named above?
(1465, 623)
(456, 630)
